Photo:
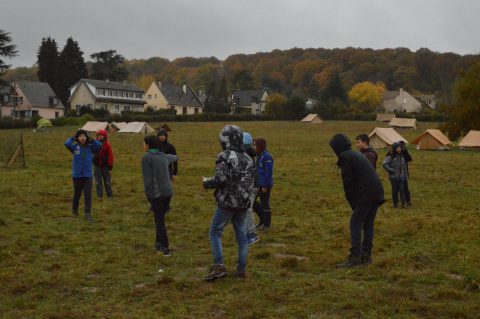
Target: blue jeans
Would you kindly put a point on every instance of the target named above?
(239, 221)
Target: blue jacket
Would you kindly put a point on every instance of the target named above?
(265, 170)
(82, 157)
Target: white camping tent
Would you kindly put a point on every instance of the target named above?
(93, 126)
(403, 123)
(137, 127)
(312, 118)
(382, 137)
(118, 125)
(471, 141)
(432, 139)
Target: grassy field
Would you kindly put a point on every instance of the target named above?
(426, 259)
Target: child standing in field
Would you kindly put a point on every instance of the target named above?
(103, 165)
(251, 230)
(396, 166)
(363, 145)
(233, 184)
(408, 158)
(158, 188)
(168, 148)
(265, 183)
(82, 147)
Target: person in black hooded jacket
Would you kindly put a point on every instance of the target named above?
(364, 192)
(166, 148)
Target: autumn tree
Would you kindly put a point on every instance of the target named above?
(366, 97)
(276, 104)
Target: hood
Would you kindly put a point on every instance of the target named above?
(163, 132)
(340, 143)
(247, 140)
(80, 132)
(231, 138)
(104, 133)
(394, 146)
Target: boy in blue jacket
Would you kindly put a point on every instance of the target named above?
(265, 184)
(83, 148)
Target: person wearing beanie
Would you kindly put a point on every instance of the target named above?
(251, 230)
(364, 192)
(158, 188)
(265, 183)
(396, 167)
(233, 185)
(103, 164)
(82, 148)
(168, 148)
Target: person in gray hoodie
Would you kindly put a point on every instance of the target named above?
(396, 166)
(158, 188)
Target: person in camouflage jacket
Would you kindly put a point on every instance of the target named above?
(233, 184)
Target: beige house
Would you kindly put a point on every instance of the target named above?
(115, 97)
(184, 100)
(400, 102)
(25, 99)
(252, 100)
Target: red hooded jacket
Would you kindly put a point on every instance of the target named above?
(104, 157)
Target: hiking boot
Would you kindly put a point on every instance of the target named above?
(350, 262)
(366, 260)
(252, 239)
(75, 214)
(217, 271)
(163, 250)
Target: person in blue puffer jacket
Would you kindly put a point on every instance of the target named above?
(83, 148)
(265, 184)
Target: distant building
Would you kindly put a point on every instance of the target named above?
(25, 99)
(429, 100)
(115, 97)
(253, 100)
(184, 100)
(400, 102)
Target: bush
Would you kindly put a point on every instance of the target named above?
(10, 123)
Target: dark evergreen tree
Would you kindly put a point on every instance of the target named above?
(221, 101)
(71, 68)
(47, 62)
(8, 50)
(243, 80)
(211, 93)
(108, 65)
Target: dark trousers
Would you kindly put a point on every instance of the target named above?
(82, 184)
(159, 208)
(103, 177)
(363, 218)
(262, 208)
(398, 187)
(407, 193)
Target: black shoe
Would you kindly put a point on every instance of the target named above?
(216, 272)
(75, 214)
(163, 250)
(409, 204)
(395, 206)
(350, 262)
(366, 260)
(403, 206)
(88, 218)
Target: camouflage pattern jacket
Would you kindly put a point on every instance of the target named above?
(234, 173)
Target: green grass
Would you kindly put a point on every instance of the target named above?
(426, 259)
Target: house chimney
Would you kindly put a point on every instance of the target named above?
(125, 83)
(159, 85)
(184, 89)
(107, 80)
(402, 97)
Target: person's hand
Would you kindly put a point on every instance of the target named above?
(174, 178)
(110, 168)
(264, 190)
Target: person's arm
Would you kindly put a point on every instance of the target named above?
(220, 178)
(171, 158)
(386, 165)
(95, 145)
(70, 144)
(348, 181)
(269, 171)
(174, 164)
(147, 178)
(407, 156)
(110, 157)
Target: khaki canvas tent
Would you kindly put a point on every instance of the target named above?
(93, 126)
(471, 141)
(137, 127)
(165, 126)
(382, 137)
(312, 118)
(403, 123)
(117, 126)
(432, 140)
(387, 117)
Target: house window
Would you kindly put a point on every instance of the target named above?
(34, 113)
(57, 115)
(149, 97)
(126, 108)
(196, 110)
(184, 110)
(117, 108)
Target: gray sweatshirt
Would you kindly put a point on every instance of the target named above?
(156, 176)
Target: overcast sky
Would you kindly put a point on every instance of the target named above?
(177, 28)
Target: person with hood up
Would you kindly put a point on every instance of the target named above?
(363, 145)
(158, 188)
(168, 148)
(251, 230)
(82, 147)
(408, 158)
(265, 183)
(103, 164)
(233, 184)
(396, 166)
(364, 192)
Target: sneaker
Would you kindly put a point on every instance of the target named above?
(252, 239)
(167, 252)
(350, 262)
(216, 272)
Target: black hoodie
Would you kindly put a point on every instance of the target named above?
(360, 181)
(167, 148)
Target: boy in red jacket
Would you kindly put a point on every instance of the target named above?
(103, 164)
